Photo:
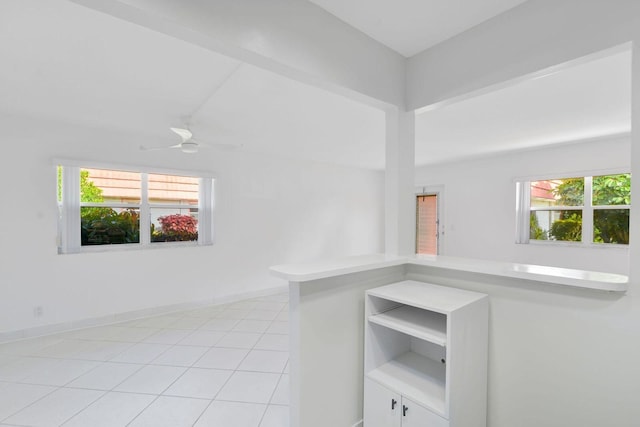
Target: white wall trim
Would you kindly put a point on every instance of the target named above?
(39, 331)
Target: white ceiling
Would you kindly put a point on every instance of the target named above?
(271, 113)
(411, 26)
(65, 62)
(73, 64)
(585, 101)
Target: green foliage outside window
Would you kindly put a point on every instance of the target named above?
(105, 226)
(88, 191)
(101, 224)
(535, 231)
(568, 228)
(570, 192)
(610, 225)
(612, 190)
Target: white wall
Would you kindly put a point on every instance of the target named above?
(557, 357)
(479, 203)
(268, 211)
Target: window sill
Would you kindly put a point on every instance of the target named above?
(133, 247)
(579, 245)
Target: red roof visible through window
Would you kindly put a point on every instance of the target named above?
(542, 190)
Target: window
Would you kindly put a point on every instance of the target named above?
(102, 207)
(589, 209)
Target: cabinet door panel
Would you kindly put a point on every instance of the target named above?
(417, 416)
(378, 402)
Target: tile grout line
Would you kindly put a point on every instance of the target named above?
(277, 384)
(31, 404)
(192, 366)
(213, 313)
(142, 410)
(236, 370)
(161, 394)
(270, 398)
(83, 409)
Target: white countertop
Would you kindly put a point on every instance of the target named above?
(335, 267)
(546, 274)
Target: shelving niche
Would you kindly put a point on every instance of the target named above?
(425, 356)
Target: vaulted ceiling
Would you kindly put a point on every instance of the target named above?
(411, 26)
(65, 62)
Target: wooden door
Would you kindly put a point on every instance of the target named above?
(427, 224)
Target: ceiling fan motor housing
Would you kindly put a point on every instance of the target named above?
(189, 147)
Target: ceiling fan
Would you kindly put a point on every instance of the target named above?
(188, 145)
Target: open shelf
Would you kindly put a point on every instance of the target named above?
(413, 321)
(416, 377)
(411, 329)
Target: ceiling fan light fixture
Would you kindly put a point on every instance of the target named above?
(189, 147)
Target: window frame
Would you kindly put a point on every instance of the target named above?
(524, 209)
(69, 220)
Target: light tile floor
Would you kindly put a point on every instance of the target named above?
(217, 366)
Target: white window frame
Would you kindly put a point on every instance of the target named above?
(69, 239)
(523, 208)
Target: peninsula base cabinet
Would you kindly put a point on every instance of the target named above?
(384, 408)
(425, 354)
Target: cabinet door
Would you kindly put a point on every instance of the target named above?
(381, 406)
(414, 415)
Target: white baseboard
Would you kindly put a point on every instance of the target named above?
(359, 423)
(39, 331)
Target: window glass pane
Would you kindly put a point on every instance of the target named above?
(612, 190)
(611, 226)
(556, 225)
(107, 226)
(557, 192)
(102, 185)
(174, 225)
(173, 189)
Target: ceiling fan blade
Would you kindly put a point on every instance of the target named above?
(220, 145)
(185, 134)
(143, 148)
